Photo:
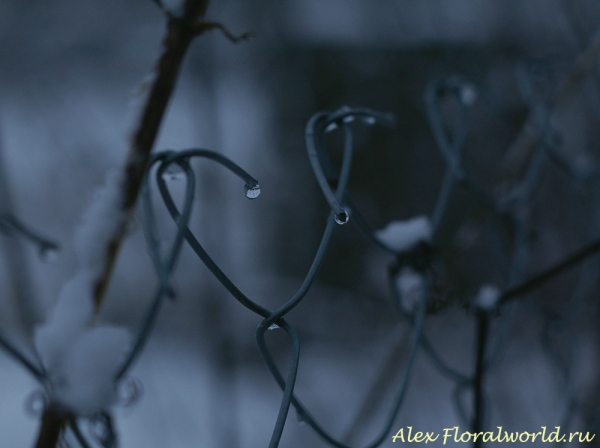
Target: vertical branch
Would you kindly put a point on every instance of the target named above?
(180, 33)
(483, 323)
(521, 150)
(53, 423)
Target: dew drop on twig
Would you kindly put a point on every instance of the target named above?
(369, 120)
(301, 417)
(174, 172)
(36, 403)
(331, 127)
(48, 254)
(342, 218)
(252, 192)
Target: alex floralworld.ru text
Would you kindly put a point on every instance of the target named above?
(454, 435)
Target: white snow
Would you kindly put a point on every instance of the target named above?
(100, 224)
(410, 285)
(468, 94)
(404, 235)
(487, 297)
(81, 358)
(86, 381)
(67, 320)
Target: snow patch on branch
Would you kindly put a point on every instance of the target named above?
(67, 320)
(82, 359)
(86, 383)
(404, 235)
(487, 298)
(101, 223)
(411, 287)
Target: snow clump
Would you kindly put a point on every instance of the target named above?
(405, 235)
(487, 298)
(82, 358)
(411, 287)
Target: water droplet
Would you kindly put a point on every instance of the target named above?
(174, 172)
(36, 403)
(348, 119)
(252, 192)
(369, 120)
(301, 417)
(48, 254)
(331, 127)
(342, 218)
(468, 95)
(273, 327)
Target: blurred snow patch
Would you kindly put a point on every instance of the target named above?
(487, 297)
(86, 382)
(100, 224)
(404, 235)
(66, 321)
(81, 360)
(410, 285)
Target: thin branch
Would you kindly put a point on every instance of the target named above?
(180, 33)
(483, 324)
(548, 274)
(53, 423)
(526, 141)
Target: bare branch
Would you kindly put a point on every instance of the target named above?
(531, 135)
(180, 33)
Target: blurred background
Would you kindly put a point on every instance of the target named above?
(72, 83)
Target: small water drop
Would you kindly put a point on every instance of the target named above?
(342, 218)
(48, 254)
(331, 127)
(369, 120)
(348, 119)
(174, 172)
(301, 417)
(36, 403)
(273, 327)
(252, 192)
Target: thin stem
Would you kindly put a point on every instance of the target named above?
(483, 324)
(78, 434)
(305, 416)
(180, 32)
(315, 128)
(288, 385)
(53, 422)
(166, 268)
(544, 276)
